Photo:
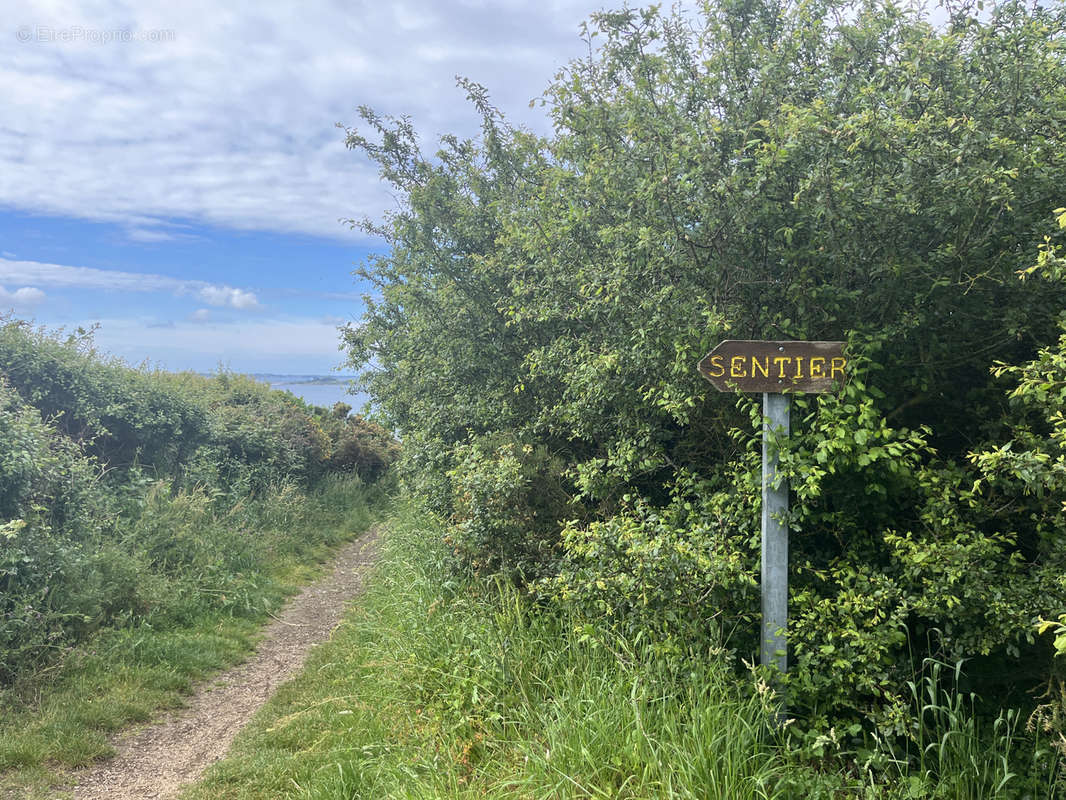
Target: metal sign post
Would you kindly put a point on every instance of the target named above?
(774, 649)
(774, 368)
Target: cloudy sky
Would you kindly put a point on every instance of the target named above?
(173, 171)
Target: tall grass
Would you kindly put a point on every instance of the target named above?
(958, 753)
(436, 687)
(442, 688)
(523, 705)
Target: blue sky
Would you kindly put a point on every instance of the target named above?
(173, 173)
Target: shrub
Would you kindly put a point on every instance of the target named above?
(120, 415)
(360, 446)
(680, 576)
(510, 500)
(49, 501)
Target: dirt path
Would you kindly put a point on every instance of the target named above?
(158, 761)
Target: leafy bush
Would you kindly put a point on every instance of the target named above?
(120, 415)
(894, 557)
(48, 496)
(358, 445)
(511, 498)
(226, 430)
(678, 576)
(766, 170)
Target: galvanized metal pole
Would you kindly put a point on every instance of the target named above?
(774, 536)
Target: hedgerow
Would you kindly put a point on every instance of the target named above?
(119, 486)
(764, 170)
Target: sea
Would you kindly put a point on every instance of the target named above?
(318, 390)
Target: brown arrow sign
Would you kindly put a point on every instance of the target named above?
(755, 366)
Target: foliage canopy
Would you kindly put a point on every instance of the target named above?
(765, 170)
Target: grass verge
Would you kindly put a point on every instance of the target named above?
(434, 688)
(439, 688)
(62, 717)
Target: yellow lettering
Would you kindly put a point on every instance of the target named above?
(764, 367)
(717, 367)
(818, 367)
(837, 365)
(781, 361)
(799, 368)
(736, 367)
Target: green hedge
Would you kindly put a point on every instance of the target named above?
(764, 170)
(119, 488)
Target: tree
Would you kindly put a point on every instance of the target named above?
(808, 170)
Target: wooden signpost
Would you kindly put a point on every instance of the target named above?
(774, 368)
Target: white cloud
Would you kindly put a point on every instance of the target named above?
(63, 276)
(200, 315)
(228, 296)
(294, 345)
(24, 298)
(151, 235)
(230, 120)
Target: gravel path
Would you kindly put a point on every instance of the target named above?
(161, 759)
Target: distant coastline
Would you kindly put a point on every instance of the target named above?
(292, 380)
(318, 390)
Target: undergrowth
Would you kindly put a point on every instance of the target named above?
(442, 688)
